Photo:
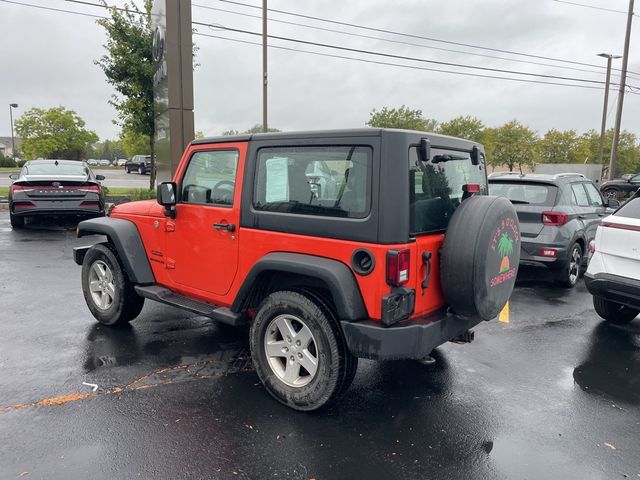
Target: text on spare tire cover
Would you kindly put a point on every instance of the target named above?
(502, 242)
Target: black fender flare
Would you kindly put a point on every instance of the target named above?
(339, 279)
(125, 237)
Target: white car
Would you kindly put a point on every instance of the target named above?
(613, 275)
(121, 162)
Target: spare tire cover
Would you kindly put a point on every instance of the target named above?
(480, 256)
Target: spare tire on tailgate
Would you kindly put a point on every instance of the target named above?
(480, 256)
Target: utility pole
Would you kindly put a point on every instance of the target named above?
(13, 140)
(623, 84)
(264, 65)
(609, 57)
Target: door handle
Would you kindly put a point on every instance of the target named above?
(229, 227)
(426, 260)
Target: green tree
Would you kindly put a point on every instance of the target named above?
(133, 143)
(128, 66)
(470, 128)
(628, 150)
(403, 117)
(562, 147)
(53, 133)
(512, 145)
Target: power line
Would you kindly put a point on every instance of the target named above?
(413, 67)
(401, 42)
(403, 57)
(52, 9)
(356, 51)
(575, 4)
(431, 39)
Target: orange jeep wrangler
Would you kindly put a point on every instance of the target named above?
(332, 245)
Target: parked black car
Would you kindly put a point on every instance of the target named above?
(622, 187)
(139, 163)
(54, 187)
(558, 214)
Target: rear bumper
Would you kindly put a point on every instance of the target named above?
(57, 207)
(530, 254)
(623, 290)
(414, 338)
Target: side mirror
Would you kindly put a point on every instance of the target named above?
(166, 197)
(100, 177)
(14, 176)
(613, 203)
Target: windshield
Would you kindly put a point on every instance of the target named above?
(525, 193)
(435, 188)
(64, 169)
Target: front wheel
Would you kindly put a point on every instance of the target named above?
(299, 352)
(612, 193)
(107, 290)
(614, 312)
(568, 275)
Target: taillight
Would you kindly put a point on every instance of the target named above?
(398, 267)
(549, 252)
(554, 219)
(592, 247)
(90, 188)
(20, 188)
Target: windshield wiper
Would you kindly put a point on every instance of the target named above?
(447, 157)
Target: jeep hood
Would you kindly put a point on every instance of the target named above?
(142, 207)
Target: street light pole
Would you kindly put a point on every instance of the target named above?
(264, 65)
(13, 140)
(609, 57)
(623, 84)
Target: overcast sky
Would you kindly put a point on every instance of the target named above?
(46, 59)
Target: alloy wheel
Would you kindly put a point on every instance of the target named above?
(574, 264)
(291, 350)
(101, 285)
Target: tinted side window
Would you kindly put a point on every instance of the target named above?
(594, 195)
(333, 181)
(635, 179)
(435, 188)
(210, 178)
(579, 195)
(631, 209)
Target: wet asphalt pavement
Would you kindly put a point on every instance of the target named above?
(554, 393)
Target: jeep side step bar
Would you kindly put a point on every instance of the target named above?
(164, 295)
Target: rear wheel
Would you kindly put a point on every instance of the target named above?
(16, 221)
(614, 312)
(299, 351)
(107, 290)
(568, 275)
(612, 193)
(141, 170)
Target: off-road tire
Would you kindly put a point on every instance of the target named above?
(16, 221)
(614, 312)
(565, 276)
(126, 304)
(351, 360)
(335, 363)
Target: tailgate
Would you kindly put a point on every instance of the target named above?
(620, 246)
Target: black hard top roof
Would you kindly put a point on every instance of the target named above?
(347, 132)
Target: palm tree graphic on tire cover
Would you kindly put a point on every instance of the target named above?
(505, 248)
